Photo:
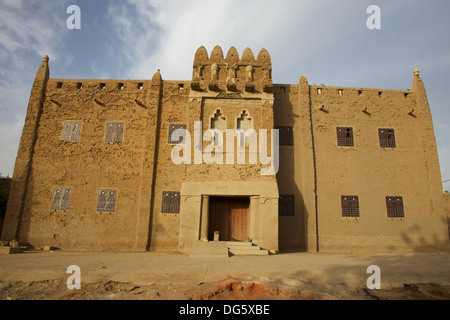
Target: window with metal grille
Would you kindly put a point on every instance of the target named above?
(114, 132)
(106, 201)
(72, 130)
(61, 199)
(173, 138)
(286, 135)
(395, 207)
(345, 137)
(350, 206)
(170, 202)
(387, 138)
(286, 205)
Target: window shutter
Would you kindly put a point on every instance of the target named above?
(286, 135)
(72, 130)
(350, 206)
(286, 205)
(172, 129)
(387, 138)
(61, 199)
(395, 207)
(170, 202)
(345, 137)
(106, 201)
(114, 132)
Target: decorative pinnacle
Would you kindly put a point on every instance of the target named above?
(46, 59)
(416, 72)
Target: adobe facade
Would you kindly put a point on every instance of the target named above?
(358, 168)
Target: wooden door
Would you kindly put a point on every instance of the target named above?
(239, 221)
(218, 218)
(230, 217)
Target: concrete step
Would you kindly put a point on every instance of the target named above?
(213, 249)
(245, 249)
(239, 244)
(249, 252)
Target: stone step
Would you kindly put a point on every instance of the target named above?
(213, 249)
(239, 244)
(246, 252)
(245, 249)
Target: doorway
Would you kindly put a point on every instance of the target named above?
(230, 217)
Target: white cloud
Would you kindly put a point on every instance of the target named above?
(326, 41)
(10, 133)
(26, 35)
(166, 34)
(25, 26)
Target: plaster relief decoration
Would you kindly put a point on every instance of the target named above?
(243, 123)
(218, 122)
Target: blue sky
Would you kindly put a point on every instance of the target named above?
(325, 40)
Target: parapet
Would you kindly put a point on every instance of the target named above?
(216, 73)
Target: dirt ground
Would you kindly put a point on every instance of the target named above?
(167, 276)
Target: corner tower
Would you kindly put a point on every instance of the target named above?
(24, 159)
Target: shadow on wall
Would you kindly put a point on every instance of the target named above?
(24, 214)
(292, 229)
(418, 243)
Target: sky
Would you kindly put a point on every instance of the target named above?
(327, 41)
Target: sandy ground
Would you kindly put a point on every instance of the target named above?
(165, 276)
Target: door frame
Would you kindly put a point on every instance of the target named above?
(194, 205)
